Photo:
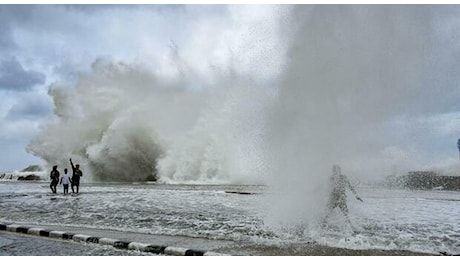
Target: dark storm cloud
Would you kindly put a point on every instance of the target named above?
(14, 77)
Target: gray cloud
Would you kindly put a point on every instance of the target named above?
(14, 77)
(5, 37)
(31, 109)
(5, 32)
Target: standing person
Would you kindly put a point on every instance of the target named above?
(54, 175)
(76, 174)
(338, 196)
(65, 181)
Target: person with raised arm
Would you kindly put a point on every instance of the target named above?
(76, 175)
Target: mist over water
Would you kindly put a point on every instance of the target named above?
(341, 75)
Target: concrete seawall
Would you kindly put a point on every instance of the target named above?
(117, 243)
(184, 246)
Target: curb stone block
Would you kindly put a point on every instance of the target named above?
(137, 246)
(178, 251)
(80, 237)
(67, 235)
(155, 249)
(12, 228)
(45, 233)
(107, 241)
(22, 230)
(121, 244)
(192, 252)
(3, 226)
(93, 240)
(34, 231)
(56, 234)
(146, 247)
(214, 254)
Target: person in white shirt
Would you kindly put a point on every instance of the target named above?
(65, 181)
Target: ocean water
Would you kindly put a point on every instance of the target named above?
(419, 221)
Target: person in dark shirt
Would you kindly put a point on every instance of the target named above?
(77, 173)
(54, 175)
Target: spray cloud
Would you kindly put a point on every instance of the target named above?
(350, 70)
(177, 120)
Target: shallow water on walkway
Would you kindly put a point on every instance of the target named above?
(422, 221)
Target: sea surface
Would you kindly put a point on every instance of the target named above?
(425, 221)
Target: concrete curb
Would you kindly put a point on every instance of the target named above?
(119, 244)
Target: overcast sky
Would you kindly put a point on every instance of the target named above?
(44, 44)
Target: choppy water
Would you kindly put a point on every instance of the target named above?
(422, 221)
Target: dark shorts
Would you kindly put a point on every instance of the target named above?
(66, 186)
(54, 182)
(76, 182)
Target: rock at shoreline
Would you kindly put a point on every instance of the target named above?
(30, 177)
(31, 173)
